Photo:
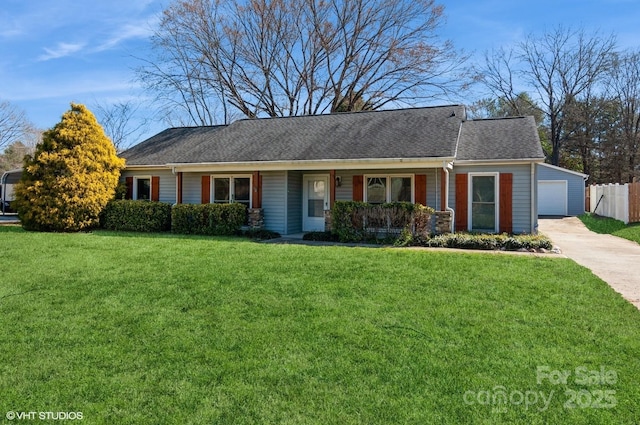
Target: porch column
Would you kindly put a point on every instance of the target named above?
(443, 190)
(179, 185)
(332, 188)
(256, 200)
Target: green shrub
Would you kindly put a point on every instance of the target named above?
(208, 219)
(358, 221)
(488, 241)
(136, 216)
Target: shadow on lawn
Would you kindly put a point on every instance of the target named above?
(110, 233)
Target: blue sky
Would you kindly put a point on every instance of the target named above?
(58, 51)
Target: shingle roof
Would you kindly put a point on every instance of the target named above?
(499, 139)
(169, 145)
(405, 133)
(434, 132)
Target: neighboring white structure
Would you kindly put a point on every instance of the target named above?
(560, 191)
(619, 201)
(7, 181)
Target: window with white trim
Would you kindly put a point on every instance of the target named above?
(389, 188)
(142, 188)
(226, 189)
(483, 202)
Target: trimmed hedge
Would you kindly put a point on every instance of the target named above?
(208, 219)
(487, 242)
(136, 216)
(355, 221)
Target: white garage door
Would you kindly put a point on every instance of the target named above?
(552, 197)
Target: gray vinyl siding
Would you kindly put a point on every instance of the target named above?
(522, 192)
(192, 187)
(274, 200)
(167, 182)
(294, 202)
(575, 187)
(345, 191)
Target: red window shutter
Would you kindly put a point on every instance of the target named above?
(506, 202)
(129, 184)
(358, 188)
(179, 200)
(206, 190)
(155, 188)
(462, 204)
(420, 189)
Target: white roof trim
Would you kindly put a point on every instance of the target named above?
(497, 161)
(322, 164)
(554, 167)
(145, 167)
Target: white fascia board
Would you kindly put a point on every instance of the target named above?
(146, 167)
(328, 164)
(498, 161)
(554, 167)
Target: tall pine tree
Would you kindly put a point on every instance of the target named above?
(70, 178)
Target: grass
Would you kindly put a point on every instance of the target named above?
(131, 329)
(607, 225)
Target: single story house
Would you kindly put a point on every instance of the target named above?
(479, 175)
(561, 192)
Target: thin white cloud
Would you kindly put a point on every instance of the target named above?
(73, 87)
(133, 30)
(61, 50)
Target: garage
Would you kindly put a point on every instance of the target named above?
(552, 197)
(560, 191)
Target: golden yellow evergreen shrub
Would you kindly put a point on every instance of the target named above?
(71, 176)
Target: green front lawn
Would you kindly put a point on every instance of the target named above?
(607, 225)
(151, 329)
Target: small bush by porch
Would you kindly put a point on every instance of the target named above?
(354, 221)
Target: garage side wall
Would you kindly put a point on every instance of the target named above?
(575, 186)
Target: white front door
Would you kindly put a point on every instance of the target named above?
(315, 199)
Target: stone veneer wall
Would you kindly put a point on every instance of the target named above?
(442, 222)
(256, 218)
(327, 220)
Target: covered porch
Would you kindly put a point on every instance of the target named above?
(298, 200)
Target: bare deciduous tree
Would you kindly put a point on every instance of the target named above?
(121, 123)
(624, 88)
(560, 66)
(294, 57)
(14, 125)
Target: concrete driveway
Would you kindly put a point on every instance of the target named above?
(612, 259)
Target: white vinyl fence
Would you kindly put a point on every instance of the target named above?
(621, 202)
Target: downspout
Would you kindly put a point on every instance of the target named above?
(446, 196)
(173, 171)
(534, 190)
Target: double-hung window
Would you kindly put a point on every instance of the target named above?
(483, 202)
(142, 188)
(389, 188)
(228, 189)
